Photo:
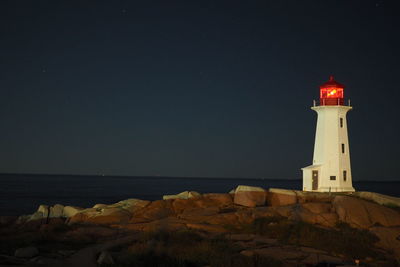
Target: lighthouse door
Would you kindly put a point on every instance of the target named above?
(314, 180)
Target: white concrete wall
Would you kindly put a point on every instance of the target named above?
(307, 180)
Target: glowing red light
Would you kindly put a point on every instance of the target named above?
(331, 93)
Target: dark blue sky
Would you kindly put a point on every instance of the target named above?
(193, 88)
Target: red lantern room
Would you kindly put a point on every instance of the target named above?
(331, 93)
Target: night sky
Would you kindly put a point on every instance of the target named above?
(194, 88)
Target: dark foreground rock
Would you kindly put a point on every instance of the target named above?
(27, 252)
(289, 228)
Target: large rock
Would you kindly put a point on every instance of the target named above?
(27, 252)
(263, 212)
(314, 214)
(321, 217)
(304, 196)
(56, 211)
(80, 217)
(281, 197)
(170, 224)
(181, 205)
(279, 211)
(156, 210)
(130, 203)
(183, 195)
(111, 216)
(45, 212)
(211, 218)
(100, 206)
(105, 258)
(89, 212)
(219, 199)
(284, 211)
(230, 218)
(364, 214)
(212, 201)
(217, 229)
(318, 207)
(70, 211)
(379, 198)
(250, 196)
(389, 239)
(101, 216)
(44, 209)
(195, 212)
(42, 212)
(167, 224)
(120, 212)
(36, 216)
(133, 202)
(245, 216)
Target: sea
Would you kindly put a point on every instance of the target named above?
(23, 193)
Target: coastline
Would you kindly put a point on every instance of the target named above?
(257, 222)
(22, 194)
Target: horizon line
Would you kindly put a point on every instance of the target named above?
(179, 177)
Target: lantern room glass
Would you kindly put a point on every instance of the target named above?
(331, 92)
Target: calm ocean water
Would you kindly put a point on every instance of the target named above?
(22, 194)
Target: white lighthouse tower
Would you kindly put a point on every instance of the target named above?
(330, 171)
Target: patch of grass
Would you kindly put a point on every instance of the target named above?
(184, 237)
(47, 238)
(187, 249)
(344, 240)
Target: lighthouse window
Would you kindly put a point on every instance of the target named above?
(343, 148)
(341, 122)
(344, 176)
(333, 178)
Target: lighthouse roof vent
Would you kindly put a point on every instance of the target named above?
(331, 83)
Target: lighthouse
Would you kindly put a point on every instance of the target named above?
(330, 170)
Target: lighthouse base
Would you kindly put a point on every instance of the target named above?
(333, 189)
(314, 181)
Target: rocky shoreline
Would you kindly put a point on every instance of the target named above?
(253, 226)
